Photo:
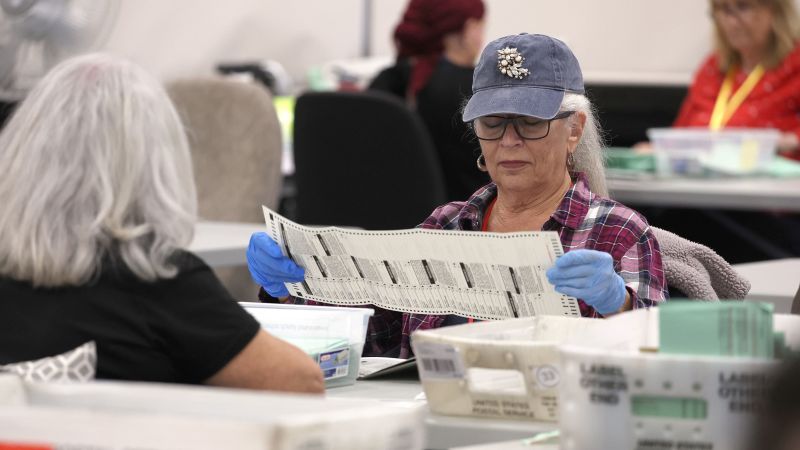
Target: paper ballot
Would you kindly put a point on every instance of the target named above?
(480, 275)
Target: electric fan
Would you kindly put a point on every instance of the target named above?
(35, 35)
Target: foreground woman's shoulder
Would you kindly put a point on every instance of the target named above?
(187, 261)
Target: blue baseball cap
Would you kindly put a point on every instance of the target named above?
(525, 74)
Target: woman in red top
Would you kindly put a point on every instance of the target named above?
(753, 78)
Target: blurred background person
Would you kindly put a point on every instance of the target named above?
(98, 200)
(438, 42)
(752, 80)
(777, 426)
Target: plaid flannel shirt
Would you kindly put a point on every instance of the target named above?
(582, 220)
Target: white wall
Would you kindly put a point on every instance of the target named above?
(186, 37)
(615, 40)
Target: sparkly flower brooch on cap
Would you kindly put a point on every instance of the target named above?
(509, 61)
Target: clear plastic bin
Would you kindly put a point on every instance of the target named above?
(333, 336)
(702, 152)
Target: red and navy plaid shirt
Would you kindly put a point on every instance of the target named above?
(582, 220)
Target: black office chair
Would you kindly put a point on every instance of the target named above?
(626, 111)
(363, 159)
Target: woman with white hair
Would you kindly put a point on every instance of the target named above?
(98, 201)
(540, 144)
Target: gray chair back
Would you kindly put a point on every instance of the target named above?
(235, 139)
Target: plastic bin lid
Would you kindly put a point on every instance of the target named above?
(701, 132)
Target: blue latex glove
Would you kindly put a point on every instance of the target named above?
(269, 268)
(589, 275)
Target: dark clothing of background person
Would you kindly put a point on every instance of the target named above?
(393, 79)
(439, 106)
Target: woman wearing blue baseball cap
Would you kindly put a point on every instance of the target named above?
(540, 144)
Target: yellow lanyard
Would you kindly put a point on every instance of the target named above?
(726, 104)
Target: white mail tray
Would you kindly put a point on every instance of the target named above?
(618, 392)
(496, 369)
(125, 415)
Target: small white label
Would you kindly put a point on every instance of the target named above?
(335, 364)
(546, 376)
(438, 360)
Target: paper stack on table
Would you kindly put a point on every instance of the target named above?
(742, 329)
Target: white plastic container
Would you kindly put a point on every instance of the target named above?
(616, 396)
(125, 415)
(702, 152)
(333, 336)
(499, 369)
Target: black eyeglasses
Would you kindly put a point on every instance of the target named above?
(492, 128)
(734, 9)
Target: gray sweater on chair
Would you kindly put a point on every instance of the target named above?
(697, 271)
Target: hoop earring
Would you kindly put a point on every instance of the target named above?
(481, 162)
(570, 161)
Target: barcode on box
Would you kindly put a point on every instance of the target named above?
(438, 360)
(441, 366)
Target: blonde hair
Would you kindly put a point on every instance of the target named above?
(783, 38)
(589, 152)
(95, 165)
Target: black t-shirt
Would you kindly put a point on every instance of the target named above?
(393, 79)
(183, 329)
(439, 104)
